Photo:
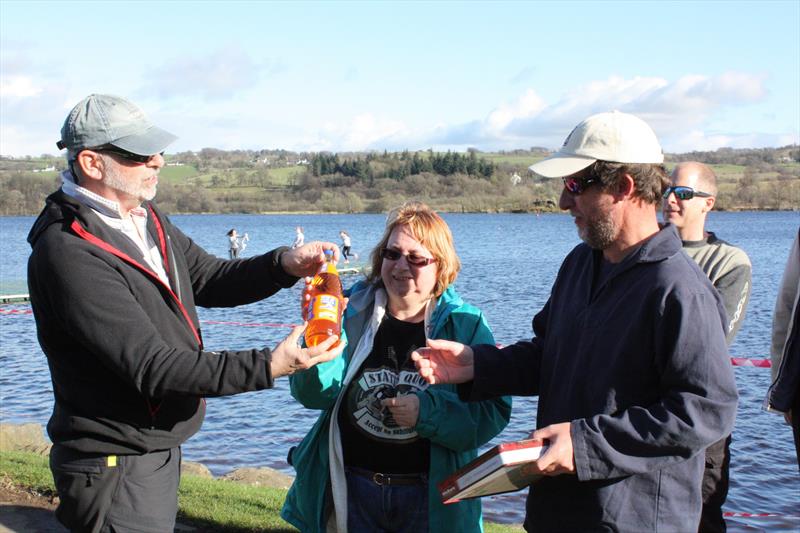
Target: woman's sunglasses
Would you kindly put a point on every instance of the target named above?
(684, 193)
(411, 259)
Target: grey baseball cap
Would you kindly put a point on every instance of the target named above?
(102, 119)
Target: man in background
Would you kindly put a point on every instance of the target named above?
(629, 357)
(686, 204)
(113, 287)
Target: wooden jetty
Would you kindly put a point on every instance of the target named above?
(14, 298)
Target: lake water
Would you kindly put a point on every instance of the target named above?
(509, 264)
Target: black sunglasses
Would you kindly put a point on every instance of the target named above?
(124, 154)
(576, 185)
(411, 259)
(684, 193)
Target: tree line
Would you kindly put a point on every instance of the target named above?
(398, 166)
(245, 181)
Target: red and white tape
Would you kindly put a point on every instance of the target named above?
(743, 361)
(757, 515)
(735, 361)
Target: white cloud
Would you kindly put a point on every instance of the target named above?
(18, 87)
(529, 104)
(671, 108)
(683, 112)
(363, 132)
(697, 140)
(218, 75)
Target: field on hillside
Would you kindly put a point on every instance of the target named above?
(177, 174)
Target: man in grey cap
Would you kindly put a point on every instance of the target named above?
(113, 287)
(628, 356)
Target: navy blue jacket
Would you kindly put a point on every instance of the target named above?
(785, 388)
(640, 368)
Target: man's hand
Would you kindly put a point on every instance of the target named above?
(288, 357)
(444, 362)
(405, 409)
(307, 260)
(559, 457)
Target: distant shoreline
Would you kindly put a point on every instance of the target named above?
(444, 211)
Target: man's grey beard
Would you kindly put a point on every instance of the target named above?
(599, 233)
(113, 179)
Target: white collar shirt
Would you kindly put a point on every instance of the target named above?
(134, 227)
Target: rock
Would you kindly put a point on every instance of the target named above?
(195, 469)
(260, 477)
(24, 437)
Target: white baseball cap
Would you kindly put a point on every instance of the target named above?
(615, 137)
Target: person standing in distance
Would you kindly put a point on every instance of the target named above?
(299, 237)
(234, 245)
(628, 356)
(686, 204)
(346, 243)
(113, 286)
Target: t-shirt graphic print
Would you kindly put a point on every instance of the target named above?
(376, 384)
(371, 437)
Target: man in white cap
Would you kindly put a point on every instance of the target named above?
(686, 205)
(113, 287)
(628, 359)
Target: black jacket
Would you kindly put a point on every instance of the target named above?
(125, 350)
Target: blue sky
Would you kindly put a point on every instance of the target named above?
(344, 76)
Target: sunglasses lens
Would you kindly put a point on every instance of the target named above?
(129, 156)
(391, 255)
(572, 185)
(680, 192)
(416, 260)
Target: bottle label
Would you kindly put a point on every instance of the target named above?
(324, 307)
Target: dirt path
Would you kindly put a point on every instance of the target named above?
(21, 510)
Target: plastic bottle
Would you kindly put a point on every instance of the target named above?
(324, 310)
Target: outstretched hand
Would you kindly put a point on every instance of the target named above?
(307, 259)
(288, 357)
(444, 362)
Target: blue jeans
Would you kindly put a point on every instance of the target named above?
(385, 508)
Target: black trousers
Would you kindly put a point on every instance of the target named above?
(716, 480)
(125, 493)
(796, 425)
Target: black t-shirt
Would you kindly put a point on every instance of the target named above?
(371, 439)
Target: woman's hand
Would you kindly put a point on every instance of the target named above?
(404, 409)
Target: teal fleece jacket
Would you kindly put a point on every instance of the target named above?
(454, 428)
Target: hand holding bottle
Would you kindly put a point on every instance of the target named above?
(307, 259)
(322, 303)
(288, 357)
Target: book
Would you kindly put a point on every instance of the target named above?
(505, 468)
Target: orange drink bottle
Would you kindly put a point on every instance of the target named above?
(324, 310)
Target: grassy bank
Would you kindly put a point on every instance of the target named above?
(209, 504)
